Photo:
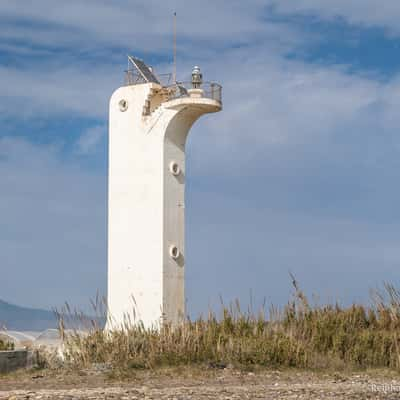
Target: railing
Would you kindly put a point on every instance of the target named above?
(210, 90)
(132, 77)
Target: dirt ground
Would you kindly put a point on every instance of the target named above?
(200, 383)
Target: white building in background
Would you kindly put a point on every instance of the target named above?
(149, 124)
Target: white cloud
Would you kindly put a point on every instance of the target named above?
(49, 90)
(252, 246)
(52, 237)
(297, 148)
(53, 244)
(90, 139)
(275, 107)
(136, 24)
(368, 13)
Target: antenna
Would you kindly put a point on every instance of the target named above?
(174, 73)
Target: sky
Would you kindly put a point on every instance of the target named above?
(299, 173)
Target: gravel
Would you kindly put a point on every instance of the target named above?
(218, 385)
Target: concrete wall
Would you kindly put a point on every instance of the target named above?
(13, 360)
(146, 203)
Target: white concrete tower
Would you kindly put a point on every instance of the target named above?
(149, 124)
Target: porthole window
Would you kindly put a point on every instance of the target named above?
(174, 252)
(123, 105)
(174, 168)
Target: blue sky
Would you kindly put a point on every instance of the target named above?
(298, 173)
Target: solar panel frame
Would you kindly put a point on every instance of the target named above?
(144, 70)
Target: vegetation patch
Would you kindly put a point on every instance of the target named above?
(4, 345)
(300, 335)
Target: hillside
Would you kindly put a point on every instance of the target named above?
(18, 318)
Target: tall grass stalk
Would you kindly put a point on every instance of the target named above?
(300, 335)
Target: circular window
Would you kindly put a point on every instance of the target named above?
(174, 252)
(123, 105)
(174, 168)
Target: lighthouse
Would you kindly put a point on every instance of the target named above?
(149, 122)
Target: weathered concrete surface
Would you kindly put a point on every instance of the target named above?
(146, 204)
(13, 360)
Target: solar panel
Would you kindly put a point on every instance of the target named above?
(144, 70)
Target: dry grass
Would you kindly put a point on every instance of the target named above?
(300, 335)
(4, 345)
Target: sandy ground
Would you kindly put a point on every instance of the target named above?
(180, 384)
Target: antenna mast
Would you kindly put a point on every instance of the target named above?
(174, 73)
